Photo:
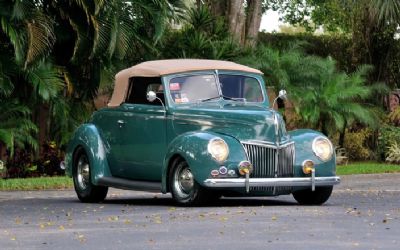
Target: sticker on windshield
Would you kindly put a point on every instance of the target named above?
(174, 86)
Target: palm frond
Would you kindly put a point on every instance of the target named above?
(47, 81)
(41, 37)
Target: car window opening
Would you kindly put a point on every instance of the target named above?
(138, 88)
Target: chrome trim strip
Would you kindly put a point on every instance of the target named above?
(272, 182)
(267, 144)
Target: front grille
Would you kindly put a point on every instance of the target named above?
(270, 161)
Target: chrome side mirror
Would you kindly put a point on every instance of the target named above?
(282, 95)
(151, 96)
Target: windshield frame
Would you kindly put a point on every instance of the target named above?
(167, 78)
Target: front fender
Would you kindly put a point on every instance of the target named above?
(303, 139)
(192, 146)
(87, 136)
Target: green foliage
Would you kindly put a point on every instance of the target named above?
(325, 98)
(202, 36)
(336, 46)
(357, 145)
(388, 135)
(393, 153)
(394, 117)
(60, 69)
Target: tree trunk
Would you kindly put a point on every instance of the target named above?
(253, 21)
(236, 19)
(342, 135)
(218, 8)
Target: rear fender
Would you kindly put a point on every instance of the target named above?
(88, 137)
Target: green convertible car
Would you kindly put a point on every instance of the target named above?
(199, 129)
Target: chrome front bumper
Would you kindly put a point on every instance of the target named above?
(272, 182)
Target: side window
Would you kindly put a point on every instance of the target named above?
(138, 88)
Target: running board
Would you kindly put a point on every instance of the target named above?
(130, 184)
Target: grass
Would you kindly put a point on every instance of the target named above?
(367, 168)
(41, 183)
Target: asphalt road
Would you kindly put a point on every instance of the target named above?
(362, 213)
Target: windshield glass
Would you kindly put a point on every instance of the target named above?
(195, 88)
(241, 87)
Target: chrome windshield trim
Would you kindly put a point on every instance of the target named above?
(272, 182)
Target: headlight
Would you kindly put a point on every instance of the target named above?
(218, 149)
(322, 148)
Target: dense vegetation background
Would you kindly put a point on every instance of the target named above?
(57, 58)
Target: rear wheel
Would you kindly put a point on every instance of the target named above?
(85, 190)
(309, 197)
(184, 188)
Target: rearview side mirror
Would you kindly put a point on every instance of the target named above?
(151, 96)
(282, 95)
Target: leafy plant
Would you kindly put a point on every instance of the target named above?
(393, 153)
(356, 145)
(325, 98)
(388, 135)
(394, 117)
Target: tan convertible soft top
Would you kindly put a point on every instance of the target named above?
(166, 67)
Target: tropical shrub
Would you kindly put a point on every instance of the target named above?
(202, 36)
(357, 144)
(394, 117)
(388, 135)
(393, 153)
(324, 98)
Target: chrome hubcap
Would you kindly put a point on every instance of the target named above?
(183, 181)
(186, 180)
(83, 175)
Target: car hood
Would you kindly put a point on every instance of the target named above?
(245, 122)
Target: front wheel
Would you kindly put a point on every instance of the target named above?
(184, 188)
(85, 190)
(309, 197)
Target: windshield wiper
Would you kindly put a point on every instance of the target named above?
(224, 97)
(234, 98)
(209, 99)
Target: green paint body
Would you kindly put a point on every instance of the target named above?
(150, 137)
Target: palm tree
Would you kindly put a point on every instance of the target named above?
(386, 10)
(332, 99)
(324, 98)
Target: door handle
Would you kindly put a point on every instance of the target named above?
(120, 123)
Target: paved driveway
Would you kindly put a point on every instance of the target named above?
(363, 213)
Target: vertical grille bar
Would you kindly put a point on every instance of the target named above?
(263, 158)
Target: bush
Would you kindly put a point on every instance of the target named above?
(22, 164)
(393, 154)
(356, 144)
(394, 117)
(388, 135)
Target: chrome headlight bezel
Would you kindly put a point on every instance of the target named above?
(218, 149)
(322, 155)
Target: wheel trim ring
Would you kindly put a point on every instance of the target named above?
(183, 181)
(83, 174)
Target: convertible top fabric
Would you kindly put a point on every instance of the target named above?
(167, 67)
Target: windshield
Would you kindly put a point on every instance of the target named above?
(196, 88)
(241, 87)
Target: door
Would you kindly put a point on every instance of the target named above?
(142, 142)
